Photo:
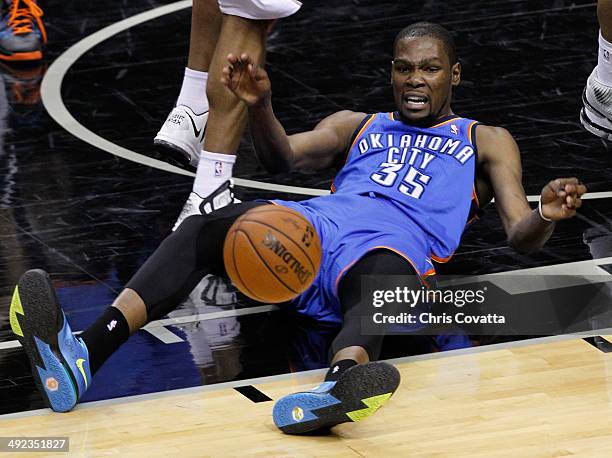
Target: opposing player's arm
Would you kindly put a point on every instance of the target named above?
(313, 150)
(526, 230)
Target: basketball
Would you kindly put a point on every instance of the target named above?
(272, 253)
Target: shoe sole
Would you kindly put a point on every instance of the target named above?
(21, 56)
(593, 127)
(360, 392)
(35, 319)
(175, 154)
(591, 123)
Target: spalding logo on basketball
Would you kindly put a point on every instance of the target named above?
(272, 253)
(291, 263)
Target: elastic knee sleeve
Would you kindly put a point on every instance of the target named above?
(194, 250)
(173, 270)
(377, 262)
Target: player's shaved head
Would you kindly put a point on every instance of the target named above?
(429, 29)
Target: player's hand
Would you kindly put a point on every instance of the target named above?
(248, 81)
(561, 198)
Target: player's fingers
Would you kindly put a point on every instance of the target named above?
(581, 189)
(564, 181)
(231, 58)
(260, 73)
(244, 57)
(567, 212)
(551, 191)
(578, 203)
(570, 188)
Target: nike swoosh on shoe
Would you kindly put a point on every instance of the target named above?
(195, 129)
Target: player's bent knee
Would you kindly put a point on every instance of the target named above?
(259, 9)
(191, 226)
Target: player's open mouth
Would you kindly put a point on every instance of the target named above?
(415, 102)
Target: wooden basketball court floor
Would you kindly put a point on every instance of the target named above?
(542, 397)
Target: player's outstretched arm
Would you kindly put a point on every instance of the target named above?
(314, 150)
(527, 230)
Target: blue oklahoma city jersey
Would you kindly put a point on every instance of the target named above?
(403, 188)
(427, 172)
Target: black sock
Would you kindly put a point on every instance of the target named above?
(105, 336)
(338, 368)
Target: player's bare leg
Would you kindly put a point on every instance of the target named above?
(212, 187)
(244, 28)
(133, 308)
(205, 29)
(596, 115)
(182, 134)
(604, 16)
(354, 353)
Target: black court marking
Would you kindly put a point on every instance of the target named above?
(252, 393)
(600, 343)
(606, 267)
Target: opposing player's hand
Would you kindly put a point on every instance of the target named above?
(248, 81)
(561, 198)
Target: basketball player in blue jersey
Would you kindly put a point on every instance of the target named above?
(409, 182)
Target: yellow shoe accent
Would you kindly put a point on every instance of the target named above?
(16, 308)
(374, 403)
(79, 363)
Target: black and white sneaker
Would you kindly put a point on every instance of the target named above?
(596, 113)
(197, 205)
(181, 137)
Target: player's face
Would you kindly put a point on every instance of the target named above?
(422, 79)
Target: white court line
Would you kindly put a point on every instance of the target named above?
(211, 316)
(51, 94)
(9, 344)
(157, 327)
(315, 372)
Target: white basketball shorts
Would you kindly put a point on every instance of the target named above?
(260, 9)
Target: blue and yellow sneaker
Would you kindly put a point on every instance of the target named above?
(22, 32)
(360, 391)
(59, 360)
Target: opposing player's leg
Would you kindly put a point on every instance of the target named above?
(355, 386)
(596, 114)
(181, 136)
(227, 115)
(244, 29)
(62, 363)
